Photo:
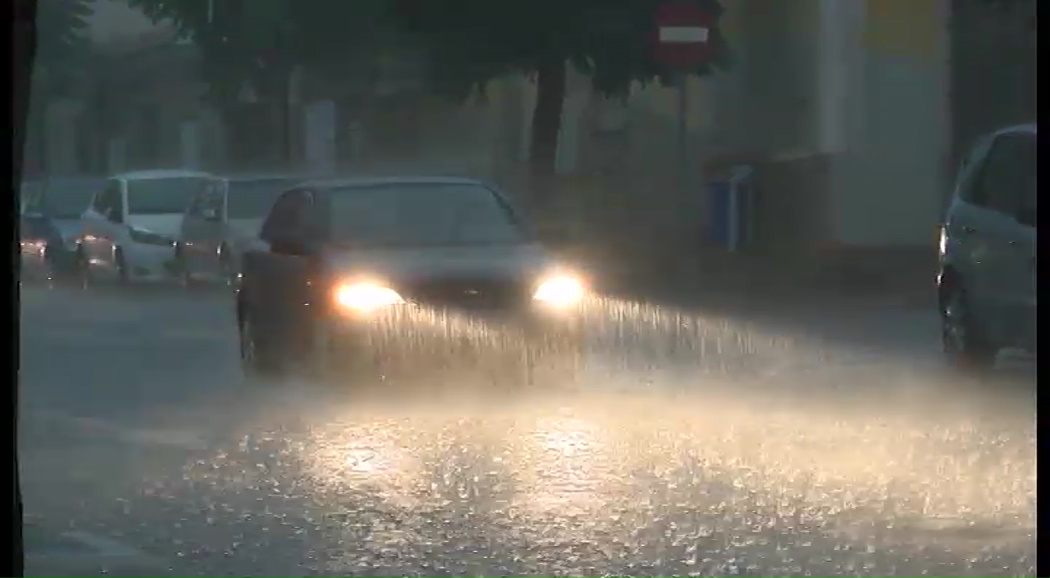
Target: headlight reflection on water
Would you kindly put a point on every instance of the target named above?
(694, 481)
(707, 480)
(560, 460)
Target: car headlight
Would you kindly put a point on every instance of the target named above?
(149, 238)
(364, 297)
(34, 247)
(560, 291)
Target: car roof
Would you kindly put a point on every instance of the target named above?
(69, 178)
(160, 174)
(260, 177)
(49, 183)
(355, 182)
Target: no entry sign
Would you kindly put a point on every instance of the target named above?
(682, 36)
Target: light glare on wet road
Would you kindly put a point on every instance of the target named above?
(693, 446)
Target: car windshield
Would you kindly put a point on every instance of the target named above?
(68, 199)
(403, 215)
(253, 199)
(162, 196)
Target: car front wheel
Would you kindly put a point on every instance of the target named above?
(965, 343)
(258, 357)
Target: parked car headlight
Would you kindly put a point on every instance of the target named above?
(33, 247)
(363, 297)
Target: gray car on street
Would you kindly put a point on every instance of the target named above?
(987, 279)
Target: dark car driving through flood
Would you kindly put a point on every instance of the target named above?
(342, 269)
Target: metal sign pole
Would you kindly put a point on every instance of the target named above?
(681, 43)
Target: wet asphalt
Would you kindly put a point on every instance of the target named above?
(813, 442)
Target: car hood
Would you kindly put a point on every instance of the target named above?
(68, 229)
(167, 225)
(509, 262)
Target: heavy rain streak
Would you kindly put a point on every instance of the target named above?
(611, 388)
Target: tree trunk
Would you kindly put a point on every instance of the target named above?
(546, 124)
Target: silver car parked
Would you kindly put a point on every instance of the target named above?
(225, 214)
(987, 278)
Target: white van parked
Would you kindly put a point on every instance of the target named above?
(130, 230)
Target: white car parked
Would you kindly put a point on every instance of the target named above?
(129, 232)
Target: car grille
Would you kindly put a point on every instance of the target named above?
(471, 294)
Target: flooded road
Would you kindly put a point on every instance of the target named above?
(690, 445)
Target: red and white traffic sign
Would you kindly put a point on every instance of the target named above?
(682, 38)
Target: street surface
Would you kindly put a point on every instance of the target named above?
(810, 443)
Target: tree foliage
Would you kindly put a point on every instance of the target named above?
(261, 40)
(472, 42)
(231, 36)
(61, 33)
(469, 43)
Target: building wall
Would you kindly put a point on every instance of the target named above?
(841, 104)
(889, 181)
(994, 54)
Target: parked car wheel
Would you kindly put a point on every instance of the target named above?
(966, 346)
(259, 359)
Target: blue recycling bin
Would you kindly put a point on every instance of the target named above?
(718, 194)
(729, 213)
